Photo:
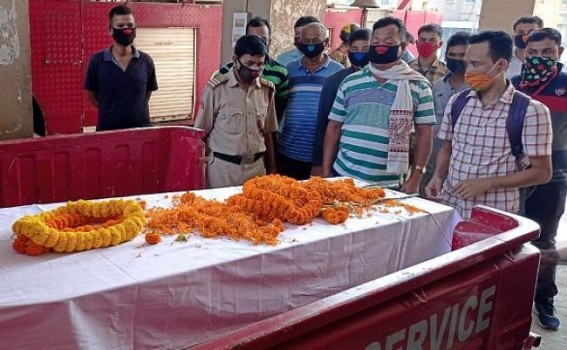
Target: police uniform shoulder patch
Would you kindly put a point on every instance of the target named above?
(216, 82)
(267, 83)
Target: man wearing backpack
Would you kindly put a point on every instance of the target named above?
(542, 78)
(476, 164)
(452, 83)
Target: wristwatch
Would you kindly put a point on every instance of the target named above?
(420, 168)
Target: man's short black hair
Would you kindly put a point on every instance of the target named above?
(528, 20)
(305, 20)
(459, 38)
(257, 22)
(433, 28)
(389, 20)
(119, 10)
(250, 45)
(360, 34)
(409, 38)
(545, 33)
(500, 44)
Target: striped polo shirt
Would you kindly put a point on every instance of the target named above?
(297, 133)
(289, 56)
(363, 107)
(273, 71)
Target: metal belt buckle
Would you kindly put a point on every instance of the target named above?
(248, 158)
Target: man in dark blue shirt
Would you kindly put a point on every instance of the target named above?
(542, 79)
(358, 42)
(120, 79)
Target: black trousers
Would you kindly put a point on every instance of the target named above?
(545, 205)
(293, 168)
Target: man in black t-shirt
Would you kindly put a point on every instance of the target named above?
(120, 79)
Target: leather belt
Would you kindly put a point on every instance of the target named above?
(248, 158)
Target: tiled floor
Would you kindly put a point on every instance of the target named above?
(556, 340)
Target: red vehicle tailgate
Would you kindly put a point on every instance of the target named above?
(477, 297)
(98, 165)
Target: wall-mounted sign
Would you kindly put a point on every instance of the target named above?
(239, 21)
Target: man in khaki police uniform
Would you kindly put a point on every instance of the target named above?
(238, 115)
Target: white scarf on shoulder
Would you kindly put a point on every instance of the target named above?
(401, 114)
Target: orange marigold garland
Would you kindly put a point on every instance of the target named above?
(212, 218)
(335, 215)
(275, 196)
(344, 190)
(78, 226)
(266, 202)
(257, 215)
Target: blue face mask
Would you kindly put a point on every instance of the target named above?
(311, 50)
(358, 59)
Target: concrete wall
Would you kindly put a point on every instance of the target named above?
(498, 14)
(549, 11)
(15, 71)
(282, 14)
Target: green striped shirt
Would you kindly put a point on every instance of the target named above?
(363, 107)
(273, 71)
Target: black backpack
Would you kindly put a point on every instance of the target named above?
(514, 127)
(514, 122)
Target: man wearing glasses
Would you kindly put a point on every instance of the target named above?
(238, 115)
(120, 79)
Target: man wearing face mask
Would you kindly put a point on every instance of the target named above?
(358, 43)
(120, 79)
(429, 40)
(543, 79)
(307, 75)
(238, 115)
(407, 56)
(522, 28)
(340, 54)
(374, 112)
(273, 71)
(453, 82)
(476, 164)
(294, 53)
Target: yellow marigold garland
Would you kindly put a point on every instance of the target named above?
(257, 214)
(79, 226)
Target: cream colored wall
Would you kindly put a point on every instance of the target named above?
(228, 8)
(501, 14)
(549, 11)
(15, 71)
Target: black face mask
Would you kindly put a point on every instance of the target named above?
(247, 74)
(311, 50)
(383, 54)
(519, 41)
(124, 36)
(456, 66)
(359, 59)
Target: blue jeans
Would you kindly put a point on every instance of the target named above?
(545, 205)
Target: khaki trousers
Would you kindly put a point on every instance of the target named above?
(221, 173)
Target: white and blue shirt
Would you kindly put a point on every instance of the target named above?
(297, 134)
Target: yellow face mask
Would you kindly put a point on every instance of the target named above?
(480, 81)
